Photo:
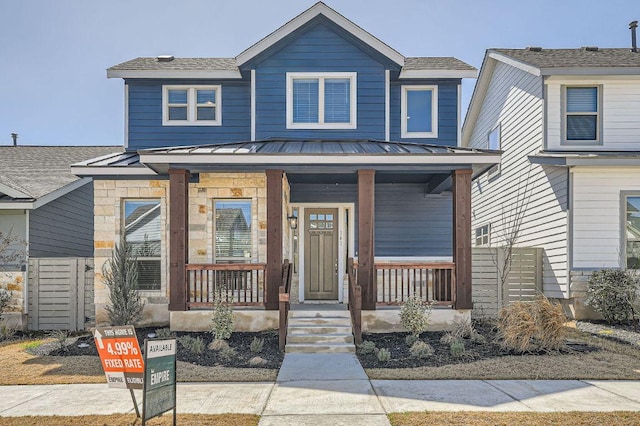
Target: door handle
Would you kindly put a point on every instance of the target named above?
(336, 266)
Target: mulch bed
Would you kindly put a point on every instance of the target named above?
(239, 341)
(401, 357)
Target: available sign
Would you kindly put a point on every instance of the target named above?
(159, 393)
(120, 356)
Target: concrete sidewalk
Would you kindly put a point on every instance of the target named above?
(332, 389)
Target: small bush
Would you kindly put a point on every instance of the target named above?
(447, 339)
(527, 326)
(477, 338)
(7, 331)
(222, 319)
(415, 315)
(384, 355)
(163, 333)
(195, 345)
(456, 348)
(257, 344)
(421, 350)
(614, 294)
(5, 299)
(60, 337)
(463, 328)
(411, 339)
(218, 344)
(367, 347)
(227, 354)
(120, 275)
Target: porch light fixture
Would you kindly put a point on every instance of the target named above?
(293, 222)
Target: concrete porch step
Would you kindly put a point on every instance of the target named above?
(319, 314)
(320, 338)
(326, 321)
(320, 348)
(318, 329)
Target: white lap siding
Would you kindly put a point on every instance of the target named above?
(514, 100)
(597, 210)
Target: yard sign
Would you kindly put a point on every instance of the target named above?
(159, 393)
(120, 356)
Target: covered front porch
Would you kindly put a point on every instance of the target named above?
(402, 211)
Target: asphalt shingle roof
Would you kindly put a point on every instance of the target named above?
(569, 58)
(188, 64)
(436, 63)
(40, 170)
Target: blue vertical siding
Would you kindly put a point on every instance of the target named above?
(319, 49)
(447, 111)
(145, 115)
(407, 222)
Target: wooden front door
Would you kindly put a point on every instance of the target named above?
(321, 254)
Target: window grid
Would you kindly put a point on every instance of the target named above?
(483, 235)
(200, 107)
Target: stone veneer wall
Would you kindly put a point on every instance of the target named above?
(109, 199)
(13, 282)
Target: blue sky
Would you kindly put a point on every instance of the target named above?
(53, 83)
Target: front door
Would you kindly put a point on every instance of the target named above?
(321, 254)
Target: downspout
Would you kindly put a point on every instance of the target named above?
(25, 290)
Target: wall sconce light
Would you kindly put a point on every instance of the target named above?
(293, 222)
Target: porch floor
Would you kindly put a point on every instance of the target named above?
(318, 307)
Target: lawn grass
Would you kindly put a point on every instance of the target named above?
(130, 419)
(616, 418)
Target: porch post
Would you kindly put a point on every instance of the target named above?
(462, 237)
(178, 238)
(274, 238)
(366, 222)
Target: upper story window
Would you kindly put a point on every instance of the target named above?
(582, 115)
(494, 141)
(142, 232)
(321, 100)
(419, 111)
(191, 106)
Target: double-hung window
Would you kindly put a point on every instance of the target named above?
(191, 105)
(483, 235)
(582, 115)
(142, 233)
(321, 100)
(233, 236)
(419, 111)
(632, 231)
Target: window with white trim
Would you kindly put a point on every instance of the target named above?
(142, 233)
(233, 237)
(191, 105)
(632, 231)
(419, 112)
(321, 100)
(494, 142)
(483, 235)
(582, 118)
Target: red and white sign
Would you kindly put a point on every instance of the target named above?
(120, 356)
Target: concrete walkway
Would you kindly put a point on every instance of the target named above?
(332, 389)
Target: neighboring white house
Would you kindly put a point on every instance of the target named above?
(568, 122)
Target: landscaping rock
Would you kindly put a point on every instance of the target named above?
(257, 361)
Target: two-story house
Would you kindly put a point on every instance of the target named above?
(317, 144)
(568, 123)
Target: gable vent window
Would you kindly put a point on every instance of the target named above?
(419, 111)
(321, 101)
(191, 106)
(582, 114)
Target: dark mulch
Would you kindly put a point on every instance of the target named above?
(401, 357)
(239, 341)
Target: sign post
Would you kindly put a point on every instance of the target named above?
(159, 393)
(121, 358)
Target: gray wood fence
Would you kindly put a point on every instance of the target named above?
(60, 293)
(524, 281)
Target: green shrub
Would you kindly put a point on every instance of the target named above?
(447, 338)
(222, 319)
(60, 337)
(195, 345)
(527, 326)
(257, 344)
(384, 355)
(5, 298)
(411, 339)
(7, 331)
(367, 347)
(163, 333)
(614, 294)
(415, 314)
(463, 328)
(227, 353)
(477, 338)
(120, 275)
(456, 348)
(421, 350)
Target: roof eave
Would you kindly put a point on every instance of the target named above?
(306, 16)
(431, 74)
(586, 71)
(205, 74)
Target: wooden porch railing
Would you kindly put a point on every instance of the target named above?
(284, 297)
(355, 301)
(241, 284)
(430, 281)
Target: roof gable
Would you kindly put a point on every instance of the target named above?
(319, 9)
